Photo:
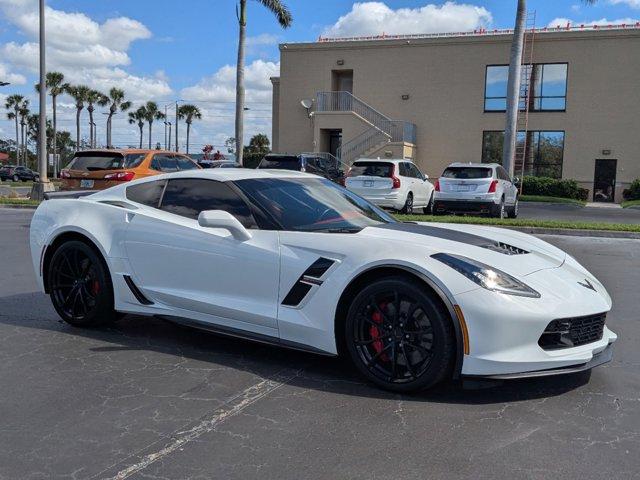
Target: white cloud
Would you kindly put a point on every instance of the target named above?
(84, 50)
(375, 18)
(562, 22)
(631, 3)
(8, 76)
(221, 86)
(263, 39)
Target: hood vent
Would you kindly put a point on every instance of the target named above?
(505, 248)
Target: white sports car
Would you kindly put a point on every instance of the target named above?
(296, 260)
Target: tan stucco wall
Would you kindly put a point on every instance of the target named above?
(445, 81)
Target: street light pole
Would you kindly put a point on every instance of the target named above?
(43, 185)
(176, 128)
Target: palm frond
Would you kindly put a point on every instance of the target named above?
(280, 10)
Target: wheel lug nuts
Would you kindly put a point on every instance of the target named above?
(406, 336)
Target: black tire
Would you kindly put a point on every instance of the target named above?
(80, 286)
(36, 178)
(16, 178)
(499, 211)
(513, 211)
(408, 205)
(428, 210)
(399, 336)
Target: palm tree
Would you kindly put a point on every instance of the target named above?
(152, 113)
(513, 89)
(281, 11)
(13, 103)
(56, 86)
(189, 113)
(99, 98)
(139, 116)
(24, 112)
(116, 96)
(79, 93)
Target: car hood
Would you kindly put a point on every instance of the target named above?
(512, 252)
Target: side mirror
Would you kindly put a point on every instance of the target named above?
(426, 177)
(516, 181)
(222, 219)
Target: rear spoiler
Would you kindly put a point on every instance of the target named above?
(66, 195)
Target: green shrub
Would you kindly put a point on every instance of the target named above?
(633, 192)
(552, 187)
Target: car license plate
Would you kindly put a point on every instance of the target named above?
(368, 183)
(463, 188)
(86, 183)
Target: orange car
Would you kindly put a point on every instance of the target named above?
(101, 169)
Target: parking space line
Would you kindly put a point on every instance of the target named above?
(230, 408)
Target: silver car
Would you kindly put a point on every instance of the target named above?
(484, 188)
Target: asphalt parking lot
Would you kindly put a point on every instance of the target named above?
(147, 399)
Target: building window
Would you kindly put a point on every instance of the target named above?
(543, 157)
(547, 83)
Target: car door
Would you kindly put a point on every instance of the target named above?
(205, 273)
(426, 185)
(510, 190)
(417, 185)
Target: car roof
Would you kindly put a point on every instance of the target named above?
(473, 165)
(232, 174)
(125, 151)
(384, 160)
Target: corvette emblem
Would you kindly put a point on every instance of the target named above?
(587, 284)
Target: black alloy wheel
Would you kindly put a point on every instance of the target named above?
(399, 336)
(80, 286)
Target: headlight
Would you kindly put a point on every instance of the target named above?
(486, 276)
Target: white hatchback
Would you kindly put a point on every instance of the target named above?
(484, 188)
(396, 184)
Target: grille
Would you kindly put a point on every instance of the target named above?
(572, 332)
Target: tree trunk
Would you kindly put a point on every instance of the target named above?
(150, 126)
(17, 141)
(23, 145)
(513, 89)
(77, 129)
(242, 21)
(188, 133)
(54, 99)
(90, 110)
(109, 120)
(141, 127)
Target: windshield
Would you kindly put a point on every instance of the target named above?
(371, 169)
(467, 172)
(92, 161)
(312, 205)
(282, 163)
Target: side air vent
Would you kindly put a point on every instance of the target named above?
(136, 291)
(505, 248)
(310, 277)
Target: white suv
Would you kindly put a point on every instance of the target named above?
(396, 184)
(476, 188)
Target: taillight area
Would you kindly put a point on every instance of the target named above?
(437, 185)
(396, 180)
(120, 176)
(65, 174)
(493, 186)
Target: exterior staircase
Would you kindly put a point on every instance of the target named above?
(382, 131)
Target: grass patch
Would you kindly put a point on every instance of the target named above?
(19, 202)
(522, 222)
(545, 199)
(630, 203)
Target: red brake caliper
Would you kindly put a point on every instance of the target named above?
(95, 287)
(376, 316)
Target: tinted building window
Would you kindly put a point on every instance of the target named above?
(547, 84)
(148, 193)
(544, 152)
(190, 196)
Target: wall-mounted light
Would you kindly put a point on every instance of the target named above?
(405, 96)
(606, 152)
(388, 153)
(340, 62)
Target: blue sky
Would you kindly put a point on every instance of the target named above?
(163, 50)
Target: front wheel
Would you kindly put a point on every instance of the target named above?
(399, 336)
(80, 285)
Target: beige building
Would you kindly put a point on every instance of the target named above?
(441, 99)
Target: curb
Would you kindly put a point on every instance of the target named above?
(574, 232)
(18, 207)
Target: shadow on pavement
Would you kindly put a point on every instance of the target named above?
(136, 333)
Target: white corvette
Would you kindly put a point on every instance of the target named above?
(295, 260)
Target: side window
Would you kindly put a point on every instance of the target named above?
(164, 163)
(190, 196)
(185, 163)
(148, 193)
(415, 172)
(503, 175)
(403, 169)
(134, 160)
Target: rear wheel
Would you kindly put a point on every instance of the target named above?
(398, 336)
(80, 286)
(499, 211)
(16, 178)
(513, 211)
(408, 205)
(428, 210)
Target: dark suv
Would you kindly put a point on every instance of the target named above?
(11, 172)
(327, 167)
